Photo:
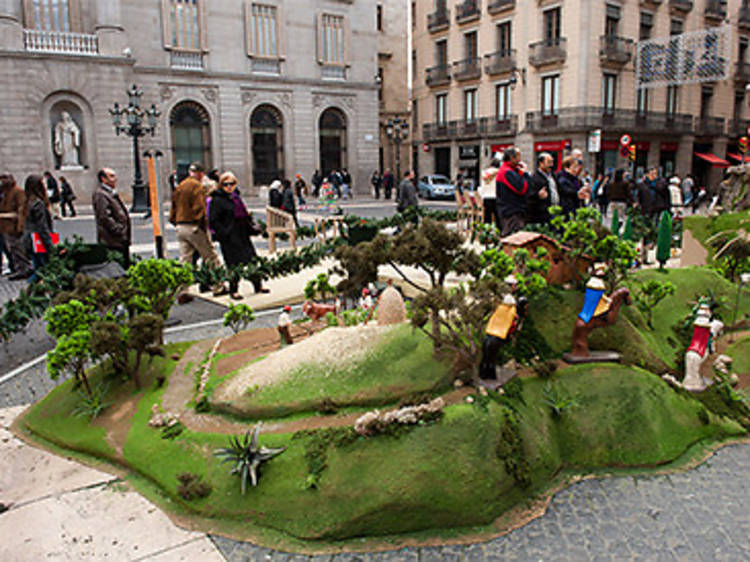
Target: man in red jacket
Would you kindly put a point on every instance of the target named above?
(512, 185)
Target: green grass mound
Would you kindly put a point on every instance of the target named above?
(655, 350)
(739, 351)
(401, 365)
(462, 471)
(705, 227)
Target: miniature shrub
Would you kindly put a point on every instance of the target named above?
(191, 487)
(238, 317)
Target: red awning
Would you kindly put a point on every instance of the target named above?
(738, 157)
(712, 159)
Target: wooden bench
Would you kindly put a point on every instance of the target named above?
(280, 222)
(321, 223)
(464, 215)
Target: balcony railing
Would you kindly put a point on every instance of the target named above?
(483, 127)
(738, 127)
(709, 126)
(616, 50)
(647, 2)
(594, 117)
(500, 61)
(266, 66)
(186, 60)
(61, 42)
(681, 5)
(437, 131)
(548, 51)
(501, 126)
(715, 10)
(333, 72)
(467, 11)
(438, 75)
(439, 20)
(498, 6)
(743, 18)
(467, 69)
(469, 128)
(742, 72)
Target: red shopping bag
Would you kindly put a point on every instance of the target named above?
(39, 245)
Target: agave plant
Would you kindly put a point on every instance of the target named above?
(247, 456)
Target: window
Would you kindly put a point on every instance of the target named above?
(675, 27)
(264, 31)
(739, 102)
(551, 20)
(672, 94)
(413, 14)
(379, 17)
(413, 65)
(380, 84)
(707, 94)
(470, 105)
(52, 15)
(184, 25)
(441, 109)
(332, 39)
(503, 38)
(502, 92)
(470, 45)
(608, 93)
(550, 95)
(742, 53)
(646, 24)
(441, 53)
(612, 20)
(641, 101)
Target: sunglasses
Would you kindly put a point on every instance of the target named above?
(229, 183)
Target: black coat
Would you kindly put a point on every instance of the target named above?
(538, 209)
(568, 186)
(233, 234)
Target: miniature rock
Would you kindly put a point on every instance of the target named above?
(391, 308)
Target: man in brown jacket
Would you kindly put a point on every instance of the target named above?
(188, 214)
(112, 218)
(13, 206)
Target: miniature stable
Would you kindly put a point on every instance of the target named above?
(339, 440)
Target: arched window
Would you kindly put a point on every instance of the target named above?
(332, 127)
(266, 132)
(191, 136)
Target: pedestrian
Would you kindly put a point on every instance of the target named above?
(38, 224)
(687, 190)
(599, 192)
(316, 181)
(542, 191)
(620, 195)
(653, 197)
(287, 200)
(53, 193)
(407, 193)
(346, 184)
(487, 191)
(188, 214)
(572, 193)
(300, 189)
(388, 183)
(376, 180)
(112, 219)
(172, 181)
(512, 185)
(274, 194)
(13, 204)
(233, 226)
(67, 196)
(675, 193)
(336, 180)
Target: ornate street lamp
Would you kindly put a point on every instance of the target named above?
(138, 123)
(397, 130)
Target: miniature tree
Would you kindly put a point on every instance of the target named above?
(615, 227)
(319, 286)
(649, 294)
(159, 281)
(664, 239)
(238, 317)
(627, 232)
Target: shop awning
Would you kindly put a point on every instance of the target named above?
(712, 159)
(738, 157)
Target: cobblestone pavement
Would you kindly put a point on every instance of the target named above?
(701, 515)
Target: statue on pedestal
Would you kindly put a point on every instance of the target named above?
(67, 141)
(599, 310)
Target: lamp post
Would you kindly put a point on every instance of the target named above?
(397, 130)
(135, 127)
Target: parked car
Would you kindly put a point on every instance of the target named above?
(435, 186)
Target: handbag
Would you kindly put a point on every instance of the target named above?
(38, 245)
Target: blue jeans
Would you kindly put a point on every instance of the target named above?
(38, 261)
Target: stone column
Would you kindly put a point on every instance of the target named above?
(109, 30)
(11, 25)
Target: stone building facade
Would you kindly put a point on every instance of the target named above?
(545, 74)
(265, 88)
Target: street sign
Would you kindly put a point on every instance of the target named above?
(625, 140)
(595, 141)
(425, 147)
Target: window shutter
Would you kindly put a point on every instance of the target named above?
(319, 37)
(249, 27)
(165, 25)
(280, 31)
(347, 42)
(74, 13)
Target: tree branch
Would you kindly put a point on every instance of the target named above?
(405, 278)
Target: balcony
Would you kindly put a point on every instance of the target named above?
(483, 127)
(494, 126)
(615, 50)
(742, 72)
(467, 69)
(680, 6)
(186, 60)
(438, 20)
(593, 117)
(743, 19)
(438, 75)
(709, 126)
(650, 2)
(469, 128)
(467, 11)
(500, 62)
(60, 42)
(499, 6)
(548, 51)
(439, 131)
(738, 127)
(716, 10)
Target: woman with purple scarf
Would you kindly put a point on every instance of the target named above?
(233, 226)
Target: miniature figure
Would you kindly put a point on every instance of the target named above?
(285, 325)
